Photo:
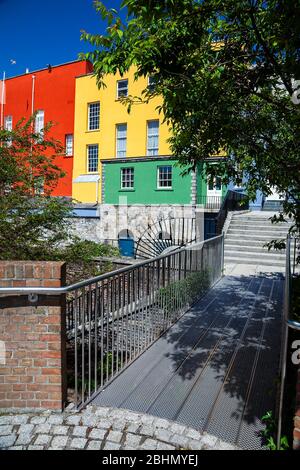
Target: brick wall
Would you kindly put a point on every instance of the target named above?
(33, 373)
(297, 416)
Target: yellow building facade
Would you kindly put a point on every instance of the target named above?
(105, 130)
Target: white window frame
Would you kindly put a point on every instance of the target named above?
(95, 116)
(88, 158)
(121, 153)
(159, 168)
(129, 179)
(8, 126)
(39, 124)
(69, 145)
(151, 86)
(152, 151)
(119, 94)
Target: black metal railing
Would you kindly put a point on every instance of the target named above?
(233, 201)
(113, 318)
(292, 252)
(210, 202)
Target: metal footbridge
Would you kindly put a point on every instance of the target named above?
(215, 369)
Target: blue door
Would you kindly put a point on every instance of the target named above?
(126, 247)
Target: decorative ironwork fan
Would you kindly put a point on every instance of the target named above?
(165, 234)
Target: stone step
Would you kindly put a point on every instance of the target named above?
(253, 260)
(249, 254)
(252, 249)
(267, 233)
(242, 242)
(258, 225)
(255, 238)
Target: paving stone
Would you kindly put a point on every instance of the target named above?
(24, 439)
(7, 441)
(147, 430)
(114, 436)
(35, 448)
(104, 424)
(147, 420)
(59, 442)
(193, 434)
(102, 412)
(179, 440)
(4, 420)
(149, 444)
(132, 440)
(164, 446)
(195, 445)
(16, 448)
(94, 445)
(133, 427)
(161, 423)
(78, 443)
(119, 425)
(112, 446)
(61, 430)
(42, 440)
(90, 421)
(163, 435)
(73, 420)
(80, 431)
(6, 430)
(55, 419)
(177, 428)
(20, 419)
(43, 428)
(97, 434)
(38, 419)
(26, 429)
(208, 440)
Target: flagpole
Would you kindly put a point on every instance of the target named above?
(2, 100)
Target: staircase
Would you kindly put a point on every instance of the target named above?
(246, 236)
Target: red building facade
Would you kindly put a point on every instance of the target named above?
(51, 93)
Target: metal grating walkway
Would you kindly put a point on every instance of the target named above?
(216, 368)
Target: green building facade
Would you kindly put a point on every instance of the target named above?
(155, 180)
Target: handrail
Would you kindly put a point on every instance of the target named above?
(231, 196)
(102, 277)
(288, 323)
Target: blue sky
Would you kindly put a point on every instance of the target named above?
(35, 33)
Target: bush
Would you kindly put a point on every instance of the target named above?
(186, 291)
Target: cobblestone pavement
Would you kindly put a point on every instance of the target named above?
(100, 429)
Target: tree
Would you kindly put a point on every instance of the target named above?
(226, 71)
(32, 223)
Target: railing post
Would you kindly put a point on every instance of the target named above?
(286, 308)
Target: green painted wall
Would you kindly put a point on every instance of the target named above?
(145, 184)
(202, 181)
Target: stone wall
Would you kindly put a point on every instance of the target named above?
(32, 338)
(135, 218)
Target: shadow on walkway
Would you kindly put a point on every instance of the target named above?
(216, 368)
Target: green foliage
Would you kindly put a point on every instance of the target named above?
(226, 71)
(269, 433)
(33, 224)
(184, 291)
(84, 250)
